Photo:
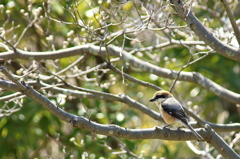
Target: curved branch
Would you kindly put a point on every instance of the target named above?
(86, 93)
(198, 152)
(216, 89)
(220, 145)
(232, 20)
(20, 54)
(145, 66)
(202, 32)
(8, 97)
(133, 103)
(130, 78)
(217, 127)
(92, 94)
(117, 131)
(184, 76)
(82, 122)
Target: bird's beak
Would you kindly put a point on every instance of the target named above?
(152, 100)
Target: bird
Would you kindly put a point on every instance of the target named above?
(172, 111)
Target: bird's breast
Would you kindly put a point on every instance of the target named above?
(167, 118)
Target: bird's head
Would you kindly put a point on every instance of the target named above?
(160, 96)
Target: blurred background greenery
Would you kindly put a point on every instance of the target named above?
(31, 131)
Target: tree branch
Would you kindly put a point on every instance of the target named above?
(113, 130)
(91, 94)
(220, 145)
(82, 122)
(130, 78)
(203, 33)
(13, 47)
(8, 97)
(145, 66)
(232, 20)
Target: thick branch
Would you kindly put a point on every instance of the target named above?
(117, 131)
(78, 50)
(20, 54)
(220, 145)
(184, 76)
(204, 34)
(110, 130)
(145, 66)
(90, 94)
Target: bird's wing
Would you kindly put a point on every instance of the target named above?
(174, 108)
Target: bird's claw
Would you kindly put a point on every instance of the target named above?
(157, 128)
(166, 127)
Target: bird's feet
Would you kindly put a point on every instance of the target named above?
(179, 128)
(166, 127)
(157, 128)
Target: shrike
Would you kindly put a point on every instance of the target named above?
(172, 111)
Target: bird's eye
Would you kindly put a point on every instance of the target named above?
(160, 96)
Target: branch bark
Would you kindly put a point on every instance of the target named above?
(113, 130)
(90, 94)
(194, 77)
(82, 122)
(220, 145)
(232, 20)
(202, 32)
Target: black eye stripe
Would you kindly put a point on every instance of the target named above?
(160, 96)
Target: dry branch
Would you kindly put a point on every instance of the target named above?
(144, 66)
(203, 33)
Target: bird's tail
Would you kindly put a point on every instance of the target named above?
(200, 138)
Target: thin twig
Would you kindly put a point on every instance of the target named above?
(185, 66)
(125, 148)
(7, 97)
(132, 79)
(6, 73)
(13, 47)
(188, 64)
(232, 20)
(204, 34)
(25, 30)
(193, 77)
(198, 152)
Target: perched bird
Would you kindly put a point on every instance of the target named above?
(172, 111)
